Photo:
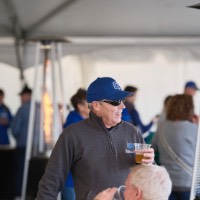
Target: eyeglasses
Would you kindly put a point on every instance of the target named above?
(115, 102)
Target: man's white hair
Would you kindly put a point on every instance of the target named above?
(153, 180)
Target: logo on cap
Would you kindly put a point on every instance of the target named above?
(116, 86)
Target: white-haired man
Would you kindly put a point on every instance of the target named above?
(144, 182)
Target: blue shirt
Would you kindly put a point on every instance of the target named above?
(6, 115)
(135, 118)
(19, 124)
(126, 116)
(72, 118)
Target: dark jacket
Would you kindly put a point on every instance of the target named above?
(98, 158)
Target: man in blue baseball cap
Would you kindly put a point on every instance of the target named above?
(105, 88)
(99, 150)
(190, 88)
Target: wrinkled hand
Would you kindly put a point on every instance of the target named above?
(148, 155)
(107, 194)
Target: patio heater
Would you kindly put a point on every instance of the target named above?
(45, 122)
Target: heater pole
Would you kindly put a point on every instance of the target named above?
(30, 126)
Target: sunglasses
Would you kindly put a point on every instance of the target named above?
(115, 102)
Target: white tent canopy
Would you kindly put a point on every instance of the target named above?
(96, 23)
(152, 44)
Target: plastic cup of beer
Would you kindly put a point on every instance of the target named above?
(139, 154)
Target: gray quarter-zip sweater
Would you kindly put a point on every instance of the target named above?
(98, 158)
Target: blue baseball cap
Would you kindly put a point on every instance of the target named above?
(105, 88)
(191, 84)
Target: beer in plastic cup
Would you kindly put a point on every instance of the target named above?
(139, 155)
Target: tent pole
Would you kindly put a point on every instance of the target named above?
(59, 56)
(55, 108)
(44, 89)
(30, 126)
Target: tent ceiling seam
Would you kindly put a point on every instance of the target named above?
(49, 15)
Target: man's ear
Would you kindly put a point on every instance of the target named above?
(95, 105)
(138, 193)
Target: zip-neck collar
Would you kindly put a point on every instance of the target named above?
(98, 121)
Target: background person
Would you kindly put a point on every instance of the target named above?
(94, 148)
(5, 120)
(175, 140)
(134, 114)
(191, 89)
(19, 128)
(80, 105)
(144, 182)
(80, 112)
(162, 116)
